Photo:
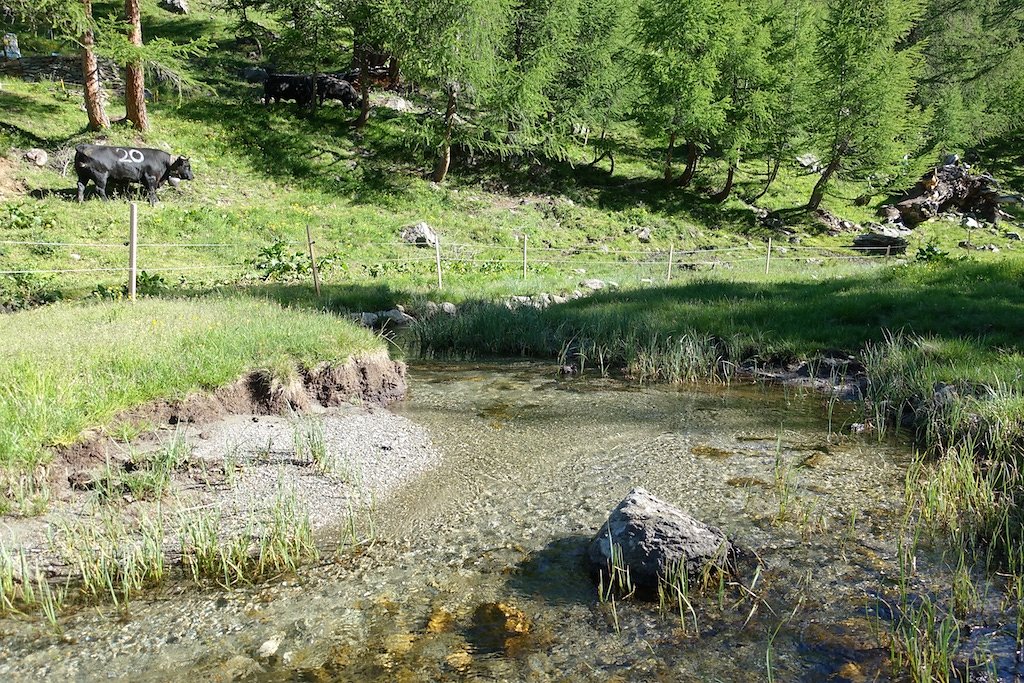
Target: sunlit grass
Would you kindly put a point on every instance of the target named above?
(66, 368)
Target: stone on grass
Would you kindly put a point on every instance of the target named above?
(39, 157)
(655, 540)
(883, 240)
(175, 6)
(421, 234)
(448, 308)
(593, 285)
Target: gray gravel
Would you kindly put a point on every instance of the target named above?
(370, 453)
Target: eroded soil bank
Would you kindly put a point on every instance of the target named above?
(321, 441)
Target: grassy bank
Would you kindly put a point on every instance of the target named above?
(67, 368)
(972, 313)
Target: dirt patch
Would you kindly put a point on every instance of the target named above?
(10, 186)
(373, 380)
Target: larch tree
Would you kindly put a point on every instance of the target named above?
(458, 52)
(791, 24)
(748, 86)
(863, 116)
(540, 38)
(595, 87)
(973, 78)
(72, 19)
(91, 85)
(134, 73)
(677, 61)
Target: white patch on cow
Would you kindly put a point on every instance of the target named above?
(131, 155)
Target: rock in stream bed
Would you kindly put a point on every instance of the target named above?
(656, 539)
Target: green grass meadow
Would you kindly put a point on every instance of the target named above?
(66, 368)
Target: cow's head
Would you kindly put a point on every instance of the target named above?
(181, 169)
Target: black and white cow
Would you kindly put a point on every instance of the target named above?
(281, 87)
(333, 88)
(151, 168)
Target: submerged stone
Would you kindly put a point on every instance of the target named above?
(656, 540)
(500, 626)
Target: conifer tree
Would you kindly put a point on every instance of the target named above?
(974, 74)
(791, 23)
(595, 87)
(748, 86)
(458, 51)
(74, 19)
(134, 79)
(677, 60)
(863, 117)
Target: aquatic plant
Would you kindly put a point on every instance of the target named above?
(674, 593)
(281, 541)
(109, 558)
(309, 444)
(924, 642)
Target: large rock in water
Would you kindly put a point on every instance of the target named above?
(655, 539)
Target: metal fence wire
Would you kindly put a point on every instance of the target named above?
(576, 257)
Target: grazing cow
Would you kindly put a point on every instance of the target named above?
(281, 87)
(334, 88)
(149, 167)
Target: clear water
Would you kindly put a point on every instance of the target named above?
(531, 468)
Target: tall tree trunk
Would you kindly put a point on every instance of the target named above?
(691, 164)
(773, 172)
(98, 118)
(394, 73)
(819, 187)
(668, 156)
(364, 87)
(445, 160)
(721, 196)
(134, 85)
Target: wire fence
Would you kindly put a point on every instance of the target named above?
(445, 259)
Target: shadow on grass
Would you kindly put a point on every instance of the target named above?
(29, 109)
(977, 305)
(339, 299)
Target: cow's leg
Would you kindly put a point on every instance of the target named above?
(81, 189)
(149, 182)
(101, 185)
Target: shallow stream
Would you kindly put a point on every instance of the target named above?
(477, 569)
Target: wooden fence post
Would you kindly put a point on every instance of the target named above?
(437, 259)
(312, 261)
(133, 248)
(671, 254)
(768, 256)
(525, 237)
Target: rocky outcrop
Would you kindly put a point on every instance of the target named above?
(655, 539)
(61, 69)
